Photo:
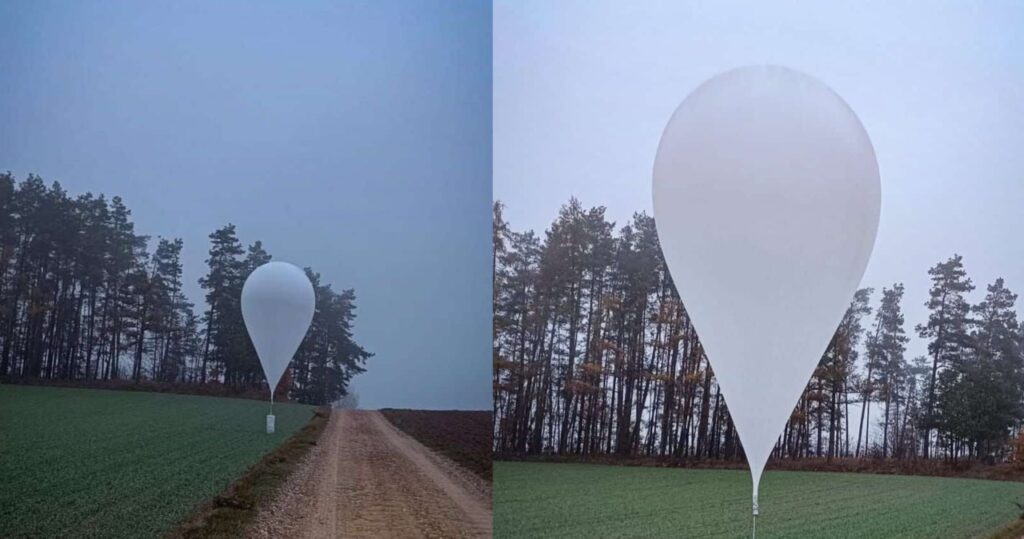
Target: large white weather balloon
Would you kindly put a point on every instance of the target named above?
(277, 306)
(766, 199)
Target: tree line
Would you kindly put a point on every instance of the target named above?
(83, 296)
(594, 353)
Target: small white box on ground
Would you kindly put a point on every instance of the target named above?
(270, 424)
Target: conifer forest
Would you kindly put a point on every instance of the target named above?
(594, 354)
(84, 297)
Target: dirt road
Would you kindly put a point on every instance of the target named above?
(368, 479)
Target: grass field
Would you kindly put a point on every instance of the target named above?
(80, 462)
(581, 500)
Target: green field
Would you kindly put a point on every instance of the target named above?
(580, 500)
(80, 462)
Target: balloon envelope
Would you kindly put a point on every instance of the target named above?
(766, 199)
(277, 306)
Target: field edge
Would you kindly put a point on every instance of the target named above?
(232, 511)
(912, 468)
(1014, 530)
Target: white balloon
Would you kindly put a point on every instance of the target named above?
(766, 199)
(277, 306)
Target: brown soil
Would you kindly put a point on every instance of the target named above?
(368, 479)
(1012, 531)
(463, 436)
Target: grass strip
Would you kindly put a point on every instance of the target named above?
(232, 511)
(1011, 531)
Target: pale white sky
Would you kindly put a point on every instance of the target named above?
(582, 92)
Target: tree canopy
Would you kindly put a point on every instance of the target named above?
(594, 353)
(83, 297)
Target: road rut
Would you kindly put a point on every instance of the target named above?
(368, 479)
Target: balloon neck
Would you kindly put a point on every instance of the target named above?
(755, 504)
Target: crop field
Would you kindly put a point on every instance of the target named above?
(462, 436)
(81, 462)
(581, 500)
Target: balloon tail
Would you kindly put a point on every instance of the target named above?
(270, 418)
(753, 531)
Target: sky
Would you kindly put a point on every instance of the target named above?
(583, 90)
(351, 137)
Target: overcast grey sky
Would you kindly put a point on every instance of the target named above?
(583, 90)
(351, 137)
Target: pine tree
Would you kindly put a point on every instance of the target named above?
(885, 351)
(946, 327)
(328, 357)
(832, 377)
(985, 388)
(223, 307)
